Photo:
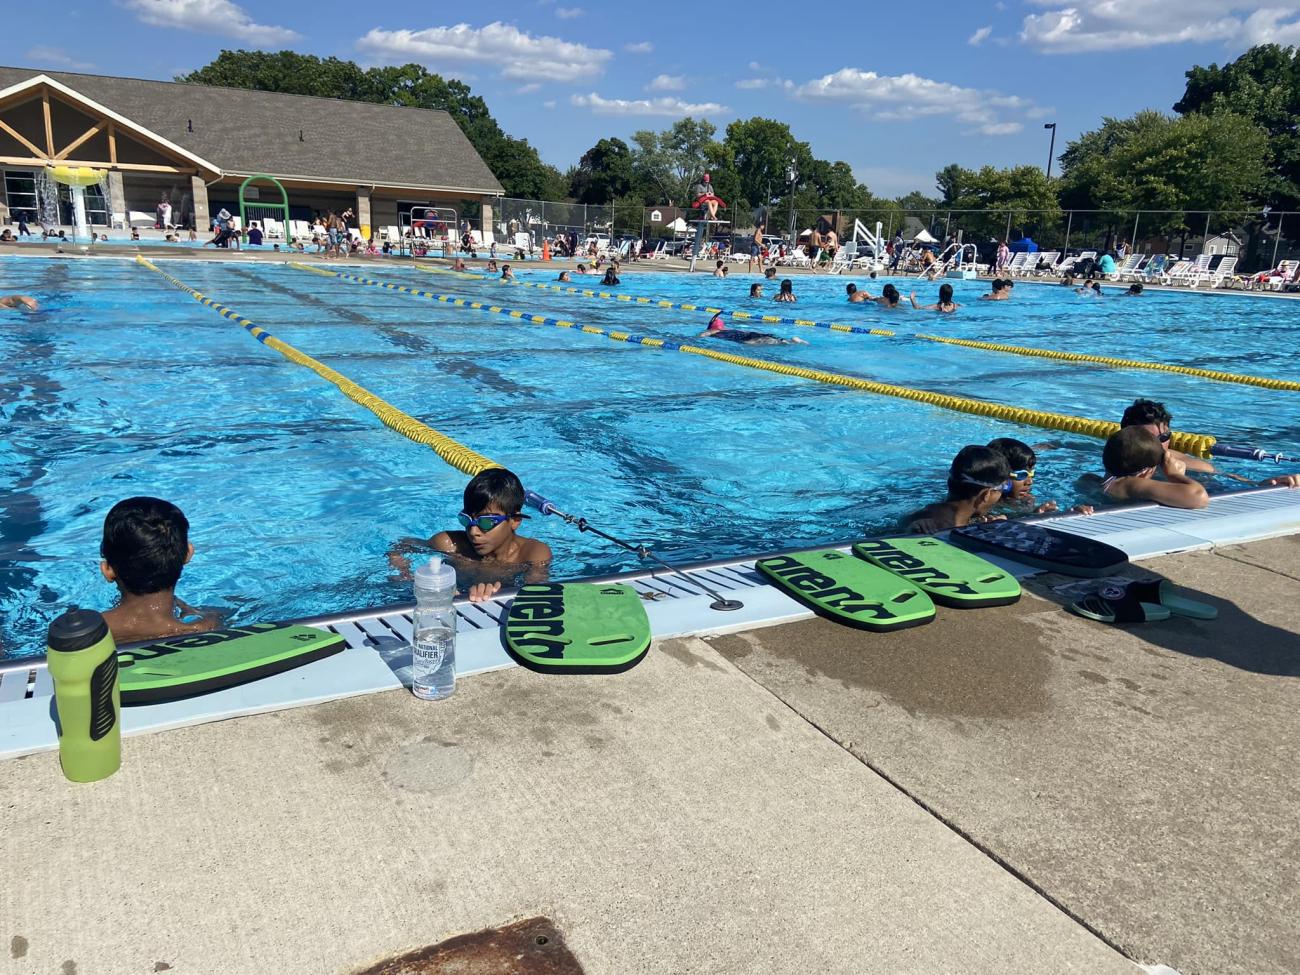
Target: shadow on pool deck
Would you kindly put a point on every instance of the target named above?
(1142, 777)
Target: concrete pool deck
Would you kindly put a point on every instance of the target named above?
(1005, 790)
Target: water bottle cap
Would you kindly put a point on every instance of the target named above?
(76, 629)
(435, 575)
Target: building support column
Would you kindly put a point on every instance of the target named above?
(485, 222)
(363, 210)
(202, 219)
(117, 199)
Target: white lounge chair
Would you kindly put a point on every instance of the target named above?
(1224, 272)
(1131, 263)
(1137, 270)
(1181, 273)
(1018, 263)
(1283, 274)
(1046, 263)
(1200, 267)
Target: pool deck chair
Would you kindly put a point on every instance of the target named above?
(1224, 272)
(1155, 269)
(1131, 263)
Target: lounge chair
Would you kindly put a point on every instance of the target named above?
(1018, 263)
(1154, 269)
(1283, 275)
(1182, 272)
(1224, 272)
(1131, 264)
(1046, 263)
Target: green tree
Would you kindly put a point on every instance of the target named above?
(603, 173)
(515, 163)
(1022, 193)
(763, 153)
(672, 161)
(1263, 85)
(1153, 162)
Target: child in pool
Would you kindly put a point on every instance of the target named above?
(975, 484)
(1018, 494)
(787, 292)
(489, 550)
(1131, 458)
(144, 548)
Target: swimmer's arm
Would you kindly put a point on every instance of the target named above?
(1177, 492)
(1194, 463)
(912, 298)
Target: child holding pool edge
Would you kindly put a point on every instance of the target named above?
(1018, 492)
(1131, 458)
(489, 544)
(143, 551)
(975, 484)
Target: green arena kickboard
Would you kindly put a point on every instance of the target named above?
(949, 575)
(838, 586)
(577, 628)
(199, 663)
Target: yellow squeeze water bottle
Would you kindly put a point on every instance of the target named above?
(83, 662)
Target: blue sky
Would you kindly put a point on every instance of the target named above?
(896, 89)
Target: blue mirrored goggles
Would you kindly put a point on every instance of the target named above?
(484, 523)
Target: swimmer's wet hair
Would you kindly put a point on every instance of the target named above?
(890, 293)
(496, 485)
(1131, 451)
(974, 470)
(145, 543)
(787, 286)
(945, 294)
(1144, 411)
(1019, 455)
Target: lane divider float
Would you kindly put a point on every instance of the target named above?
(658, 303)
(1189, 443)
(455, 453)
(1112, 361)
(1223, 377)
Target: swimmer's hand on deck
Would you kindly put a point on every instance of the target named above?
(1282, 480)
(481, 592)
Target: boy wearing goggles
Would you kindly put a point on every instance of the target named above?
(975, 483)
(1018, 492)
(489, 550)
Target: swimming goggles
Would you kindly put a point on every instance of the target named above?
(967, 479)
(1022, 475)
(1165, 437)
(485, 523)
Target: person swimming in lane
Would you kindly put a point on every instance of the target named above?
(718, 330)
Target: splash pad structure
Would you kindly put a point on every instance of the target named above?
(77, 179)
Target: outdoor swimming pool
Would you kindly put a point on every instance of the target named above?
(123, 385)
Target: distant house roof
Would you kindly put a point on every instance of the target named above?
(245, 132)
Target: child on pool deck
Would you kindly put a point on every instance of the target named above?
(489, 550)
(144, 548)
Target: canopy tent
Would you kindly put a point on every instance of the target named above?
(924, 237)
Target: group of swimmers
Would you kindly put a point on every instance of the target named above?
(1138, 462)
(146, 545)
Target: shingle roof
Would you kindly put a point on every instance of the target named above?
(246, 132)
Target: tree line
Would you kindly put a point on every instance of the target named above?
(1230, 144)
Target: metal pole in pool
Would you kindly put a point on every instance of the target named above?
(535, 500)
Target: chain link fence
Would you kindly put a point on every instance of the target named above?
(1259, 239)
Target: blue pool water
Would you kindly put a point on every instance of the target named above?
(123, 385)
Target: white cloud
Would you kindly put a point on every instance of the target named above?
(755, 66)
(640, 47)
(756, 84)
(518, 54)
(1108, 25)
(529, 88)
(904, 97)
(210, 17)
(667, 107)
(549, 103)
(568, 13)
(42, 55)
(667, 82)
(979, 37)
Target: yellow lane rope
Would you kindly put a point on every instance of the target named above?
(1223, 377)
(1112, 361)
(452, 451)
(1189, 443)
(658, 303)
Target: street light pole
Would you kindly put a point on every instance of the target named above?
(1051, 151)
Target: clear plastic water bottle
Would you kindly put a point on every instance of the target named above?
(433, 651)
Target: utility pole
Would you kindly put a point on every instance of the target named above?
(1051, 151)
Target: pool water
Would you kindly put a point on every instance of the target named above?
(123, 386)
